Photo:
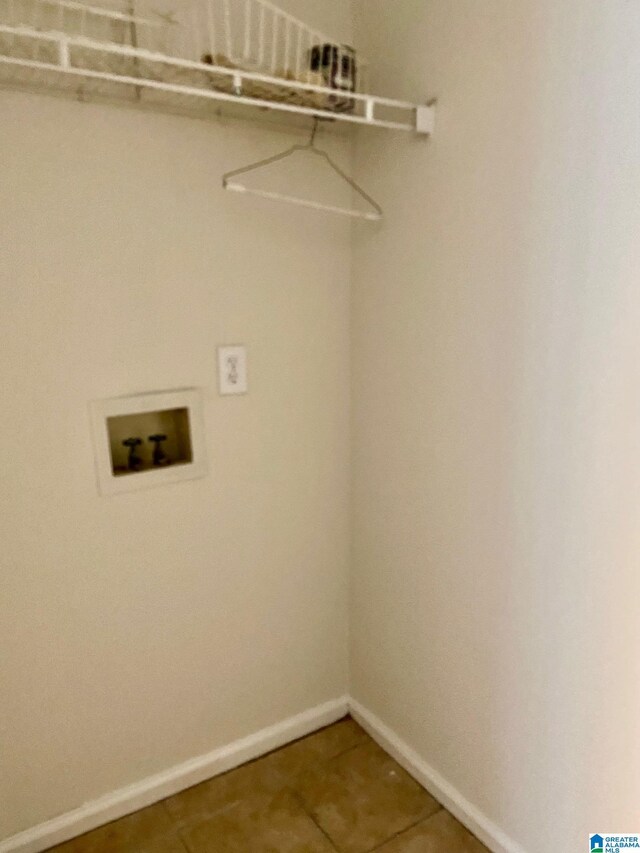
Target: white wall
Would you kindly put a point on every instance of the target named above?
(141, 630)
(495, 321)
(333, 18)
(496, 400)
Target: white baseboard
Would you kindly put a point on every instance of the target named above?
(475, 821)
(154, 788)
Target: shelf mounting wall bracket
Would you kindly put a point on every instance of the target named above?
(426, 119)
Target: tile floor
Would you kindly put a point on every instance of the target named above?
(335, 790)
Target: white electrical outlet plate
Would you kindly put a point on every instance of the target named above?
(232, 370)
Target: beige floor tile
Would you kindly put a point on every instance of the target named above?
(363, 798)
(310, 752)
(439, 834)
(278, 826)
(255, 780)
(266, 776)
(147, 831)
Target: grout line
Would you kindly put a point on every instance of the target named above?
(183, 843)
(300, 800)
(411, 826)
(176, 829)
(351, 748)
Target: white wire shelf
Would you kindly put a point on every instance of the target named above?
(194, 57)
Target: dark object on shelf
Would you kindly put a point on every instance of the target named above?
(134, 462)
(159, 456)
(337, 65)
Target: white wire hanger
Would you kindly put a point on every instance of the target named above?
(229, 183)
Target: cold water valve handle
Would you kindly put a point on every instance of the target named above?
(134, 462)
(159, 456)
